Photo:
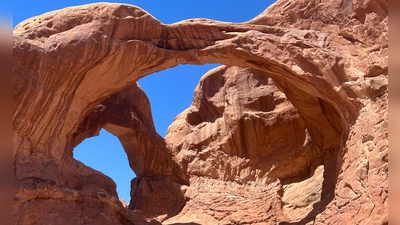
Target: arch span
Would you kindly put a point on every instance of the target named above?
(122, 49)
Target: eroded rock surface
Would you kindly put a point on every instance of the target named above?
(301, 106)
(240, 136)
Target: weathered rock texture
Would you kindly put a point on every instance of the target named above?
(293, 130)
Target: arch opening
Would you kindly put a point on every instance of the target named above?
(105, 153)
(171, 92)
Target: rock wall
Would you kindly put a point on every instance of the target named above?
(293, 130)
(238, 127)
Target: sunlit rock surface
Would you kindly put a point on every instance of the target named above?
(293, 130)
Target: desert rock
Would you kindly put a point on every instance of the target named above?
(300, 106)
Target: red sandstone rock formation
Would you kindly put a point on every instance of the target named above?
(293, 130)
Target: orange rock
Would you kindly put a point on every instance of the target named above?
(300, 107)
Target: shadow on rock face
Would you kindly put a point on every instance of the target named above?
(157, 195)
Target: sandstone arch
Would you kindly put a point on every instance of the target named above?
(68, 62)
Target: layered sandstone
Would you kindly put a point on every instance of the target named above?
(293, 130)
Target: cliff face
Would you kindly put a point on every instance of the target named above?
(293, 130)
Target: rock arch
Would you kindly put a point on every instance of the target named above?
(68, 62)
(123, 49)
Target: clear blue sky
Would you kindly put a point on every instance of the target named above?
(169, 91)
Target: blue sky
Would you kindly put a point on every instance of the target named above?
(169, 91)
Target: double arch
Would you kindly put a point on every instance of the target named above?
(101, 50)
